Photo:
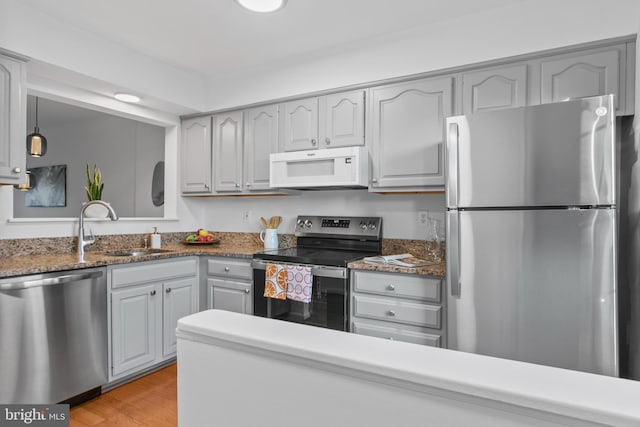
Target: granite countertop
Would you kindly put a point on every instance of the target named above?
(21, 257)
(37, 264)
(437, 270)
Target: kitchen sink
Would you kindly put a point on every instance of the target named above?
(137, 252)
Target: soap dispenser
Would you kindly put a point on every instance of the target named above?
(155, 239)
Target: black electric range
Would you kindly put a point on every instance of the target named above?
(326, 245)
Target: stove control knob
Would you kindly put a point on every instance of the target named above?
(307, 224)
(299, 223)
(363, 225)
(372, 226)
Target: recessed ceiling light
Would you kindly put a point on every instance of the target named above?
(126, 97)
(262, 6)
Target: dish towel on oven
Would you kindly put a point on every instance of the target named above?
(299, 283)
(275, 281)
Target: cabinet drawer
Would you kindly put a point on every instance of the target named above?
(391, 332)
(398, 285)
(411, 313)
(152, 272)
(230, 267)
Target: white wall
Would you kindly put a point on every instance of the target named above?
(27, 31)
(523, 27)
(126, 152)
(399, 212)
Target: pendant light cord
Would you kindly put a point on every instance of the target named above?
(36, 113)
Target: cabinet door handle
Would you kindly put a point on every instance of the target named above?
(391, 287)
(391, 313)
(168, 290)
(16, 170)
(152, 293)
(313, 141)
(248, 184)
(390, 338)
(227, 269)
(237, 185)
(327, 140)
(246, 291)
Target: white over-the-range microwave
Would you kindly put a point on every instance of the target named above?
(344, 167)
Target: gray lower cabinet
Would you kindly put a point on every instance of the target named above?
(395, 306)
(407, 134)
(146, 300)
(230, 284)
(13, 120)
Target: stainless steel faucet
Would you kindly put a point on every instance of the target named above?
(82, 242)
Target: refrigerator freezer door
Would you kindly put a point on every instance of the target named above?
(545, 155)
(534, 286)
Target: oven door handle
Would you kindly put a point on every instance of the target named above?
(316, 270)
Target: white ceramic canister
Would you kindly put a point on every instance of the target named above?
(270, 238)
(155, 239)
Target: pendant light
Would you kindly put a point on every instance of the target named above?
(28, 183)
(36, 143)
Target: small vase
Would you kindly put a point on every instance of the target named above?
(96, 211)
(434, 242)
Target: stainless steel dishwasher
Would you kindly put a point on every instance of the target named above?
(53, 336)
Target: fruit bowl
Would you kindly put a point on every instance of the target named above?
(201, 237)
(212, 242)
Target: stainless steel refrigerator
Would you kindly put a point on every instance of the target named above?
(532, 234)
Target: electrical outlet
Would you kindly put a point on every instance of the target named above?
(246, 217)
(422, 217)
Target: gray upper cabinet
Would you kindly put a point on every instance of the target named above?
(335, 120)
(260, 140)
(227, 142)
(343, 120)
(13, 117)
(495, 88)
(407, 134)
(583, 74)
(196, 156)
(299, 124)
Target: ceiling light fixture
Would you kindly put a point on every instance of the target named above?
(36, 143)
(127, 97)
(28, 184)
(262, 6)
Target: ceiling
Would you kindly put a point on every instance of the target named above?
(218, 37)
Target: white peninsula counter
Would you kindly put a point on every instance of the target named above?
(239, 370)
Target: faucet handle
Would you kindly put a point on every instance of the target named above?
(91, 238)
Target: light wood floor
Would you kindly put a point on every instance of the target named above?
(148, 401)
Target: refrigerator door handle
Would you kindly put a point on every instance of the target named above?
(451, 184)
(453, 251)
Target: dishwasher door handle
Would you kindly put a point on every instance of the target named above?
(50, 281)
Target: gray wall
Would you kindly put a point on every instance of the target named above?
(125, 150)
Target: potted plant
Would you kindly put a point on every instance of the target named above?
(94, 183)
(94, 189)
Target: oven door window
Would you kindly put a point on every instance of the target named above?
(327, 308)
